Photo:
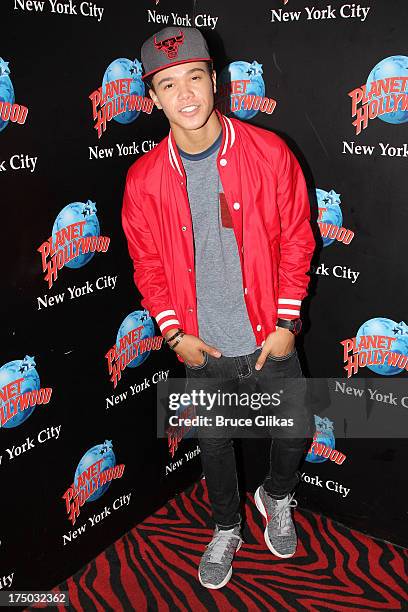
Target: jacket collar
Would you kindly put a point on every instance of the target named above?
(228, 139)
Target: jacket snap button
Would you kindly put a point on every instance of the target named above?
(258, 327)
(237, 206)
(223, 162)
(188, 269)
(190, 310)
(246, 290)
(184, 228)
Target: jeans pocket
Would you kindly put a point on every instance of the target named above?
(201, 365)
(282, 357)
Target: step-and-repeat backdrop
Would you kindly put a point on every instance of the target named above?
(80, 461)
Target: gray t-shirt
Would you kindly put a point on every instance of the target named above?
(223, 319)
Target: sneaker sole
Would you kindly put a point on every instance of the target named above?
(260, 505)
(208, 585)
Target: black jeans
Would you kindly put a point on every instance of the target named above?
(238, 374)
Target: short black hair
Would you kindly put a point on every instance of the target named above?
(209, 64)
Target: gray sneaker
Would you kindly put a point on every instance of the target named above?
(280, 535)
(215, 566)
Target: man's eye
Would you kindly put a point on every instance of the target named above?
(196, 77)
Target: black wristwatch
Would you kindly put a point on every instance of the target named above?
(293, 325)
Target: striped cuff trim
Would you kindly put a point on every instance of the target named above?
(288, 311)
(169, 323)
(164, 313)
(289, 301)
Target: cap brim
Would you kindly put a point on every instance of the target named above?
(187, 61)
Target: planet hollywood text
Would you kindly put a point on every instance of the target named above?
(13, 401)
(130, 346)
(9, 110)
(13, 112)
(67, 244)
(88, 482)
(175, 433)
(323, 450)
(372, 350)
(115, 98)
(332, 231)
(382, 97)
(233, 96)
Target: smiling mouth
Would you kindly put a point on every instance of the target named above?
(189, 109)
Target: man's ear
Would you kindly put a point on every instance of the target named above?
(155, 99)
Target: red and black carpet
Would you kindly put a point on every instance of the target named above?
(154, 567)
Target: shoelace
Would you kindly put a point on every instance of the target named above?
(283, 511)
(222, 544)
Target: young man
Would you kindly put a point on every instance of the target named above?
(217, 220)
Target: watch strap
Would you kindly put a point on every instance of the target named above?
(293, 325)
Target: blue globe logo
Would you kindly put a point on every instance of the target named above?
(133, 321)
(330, 201)
(324, 435)
(100, 451)
(380, 326)
(393, 66)
(72, 213)
(6, 89)
(243, 71)
(14, 370)
(123, 68)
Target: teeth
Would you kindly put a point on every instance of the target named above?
(188, 109)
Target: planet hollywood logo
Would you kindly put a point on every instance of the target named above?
(330, 220)
(385, 94)
(323, 445)
(20, 391)
(134, 341)
(380, 345)
(175, 433)
(93, 477)
(9, 110)
(122, 95)
(241, 90)
(74, 240)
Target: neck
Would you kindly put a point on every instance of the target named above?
(196, 141)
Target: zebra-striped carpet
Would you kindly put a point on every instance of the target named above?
(154, 567)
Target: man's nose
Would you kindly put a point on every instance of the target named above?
(185, 90)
